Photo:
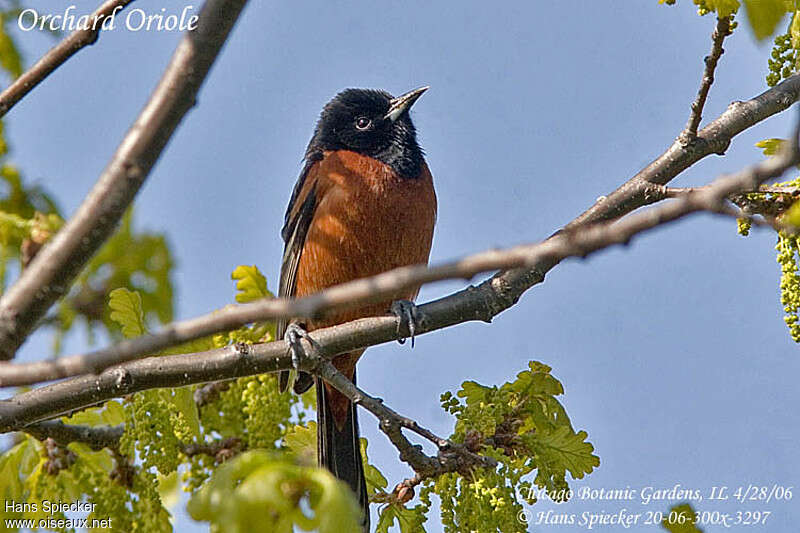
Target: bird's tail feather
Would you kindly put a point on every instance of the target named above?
(339, 450)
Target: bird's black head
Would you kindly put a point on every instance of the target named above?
(372, 123)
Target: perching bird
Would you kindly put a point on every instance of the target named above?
(364, 204)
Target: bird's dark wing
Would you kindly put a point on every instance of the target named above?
(296, 222)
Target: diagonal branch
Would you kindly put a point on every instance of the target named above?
(474, 303)
(452, 457)
(722, 30)
(50, 274)
(58, 55)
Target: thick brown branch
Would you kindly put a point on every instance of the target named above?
(50, 274)
(58, 55)
(474, 303)
(722, 30)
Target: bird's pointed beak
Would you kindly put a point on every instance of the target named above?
(403, 102)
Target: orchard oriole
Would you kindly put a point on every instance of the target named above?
(364, 204)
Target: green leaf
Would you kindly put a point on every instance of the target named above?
(764, 16)
(771, 146)
(409, 520)
(473, 392)
(386, 518)
(114, 413)
(182, 399)
(88, 417)
(126, 310)
(15, 467)
(723, 8)
(565, 450)
(168, 489)
(680, 519)
(302, 440)
(251, 284)
(792, 216)
(376, 482)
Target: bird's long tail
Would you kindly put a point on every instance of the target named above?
(338, 445)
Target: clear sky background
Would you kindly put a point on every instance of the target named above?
(673, 351)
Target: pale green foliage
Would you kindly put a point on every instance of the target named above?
(10, 59)
(524, 427)
(261, 491)
(787, 248)
(111, 414)
(28, 216)
(743, 226)
(784, 57)
(723, 8)
(787, 256)
(157, 421)
(764, 16)
(16, 467)
(771, 146)
(376, 482)
(137, 261)
(302, 441)
(126, 310)
(85, 475)
(251, 409)
(409, 520)
(141, 261)
(251, 284)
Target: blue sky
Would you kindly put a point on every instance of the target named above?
(672, 351)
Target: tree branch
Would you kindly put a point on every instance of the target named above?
(722, 30)
(50, 274)
(96, 438)
(473, 303)
(644, 188)
(58, 55)
(452, 457)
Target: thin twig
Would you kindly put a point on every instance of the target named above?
(221, 450)
(452, 457)
(58, 55)
(722, 30)
(50, 274)
(475, 303)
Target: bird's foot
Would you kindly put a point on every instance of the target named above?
(408, 318)
(294, 334)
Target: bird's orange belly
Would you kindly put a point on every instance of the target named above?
(367, 221)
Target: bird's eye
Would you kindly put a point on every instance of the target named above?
(363, 123)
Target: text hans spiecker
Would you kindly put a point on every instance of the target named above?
(134, 20)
